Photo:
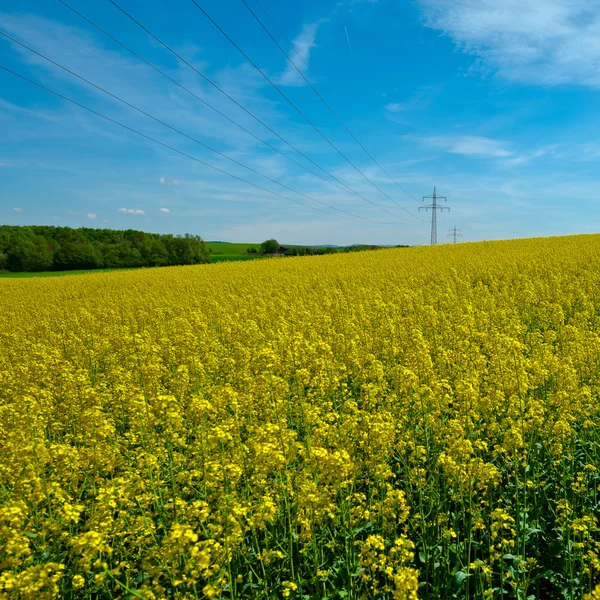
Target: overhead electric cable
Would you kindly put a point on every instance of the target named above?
(320, 96)
(291, 103)
(299, 164)
(327, 90)
(240, 164)
(348, 188)
(309, 68)
(145, 136)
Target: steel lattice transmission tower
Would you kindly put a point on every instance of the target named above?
(454, 233)
(434, 206)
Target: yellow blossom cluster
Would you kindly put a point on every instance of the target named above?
(400, 424)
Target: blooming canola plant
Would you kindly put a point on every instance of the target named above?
(406, 423)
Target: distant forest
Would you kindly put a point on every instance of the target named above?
(46, 248)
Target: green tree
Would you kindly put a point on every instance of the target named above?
(74, 255)
(42, 247)
(158, 253)
(269, 246)
(26, 251)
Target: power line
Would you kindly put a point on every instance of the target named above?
(434, 207)
(240, 164)
(454, 233)
(310, 70)
(294, 106)
(210, 105)
(317, 78)
(132, 130)
(327, 104)
(381, 207)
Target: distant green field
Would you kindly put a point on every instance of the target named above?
(222, 251)
(230, 257)
(9, 275)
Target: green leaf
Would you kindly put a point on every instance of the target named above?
(460, 577)
(532, 531)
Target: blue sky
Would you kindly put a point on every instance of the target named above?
(494, 101)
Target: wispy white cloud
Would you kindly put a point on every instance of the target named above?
(485, 147)
(303, 45)
(533, 41)
(9, 107)
(522, 159)
(166, 211)
(131, 211)
(17, 209)
(4, 164)
(419, 100)
(91, 215)
(396, 107)
(165, 181)
(468, 145)
(587, 151)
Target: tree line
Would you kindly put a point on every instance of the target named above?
(272, 246)
(48, 248)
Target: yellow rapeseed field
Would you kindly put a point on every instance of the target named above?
(407, 423)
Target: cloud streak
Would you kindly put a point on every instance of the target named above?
(522, 159)
(348, 40)
(131, 211)
(487, 148)
(548, 42)
(303, 45)
(396, 107)
(468, 145)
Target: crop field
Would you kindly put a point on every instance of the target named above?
(226, 251)
(407, 423)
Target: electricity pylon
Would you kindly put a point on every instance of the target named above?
(454, 233)
(434, 206)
